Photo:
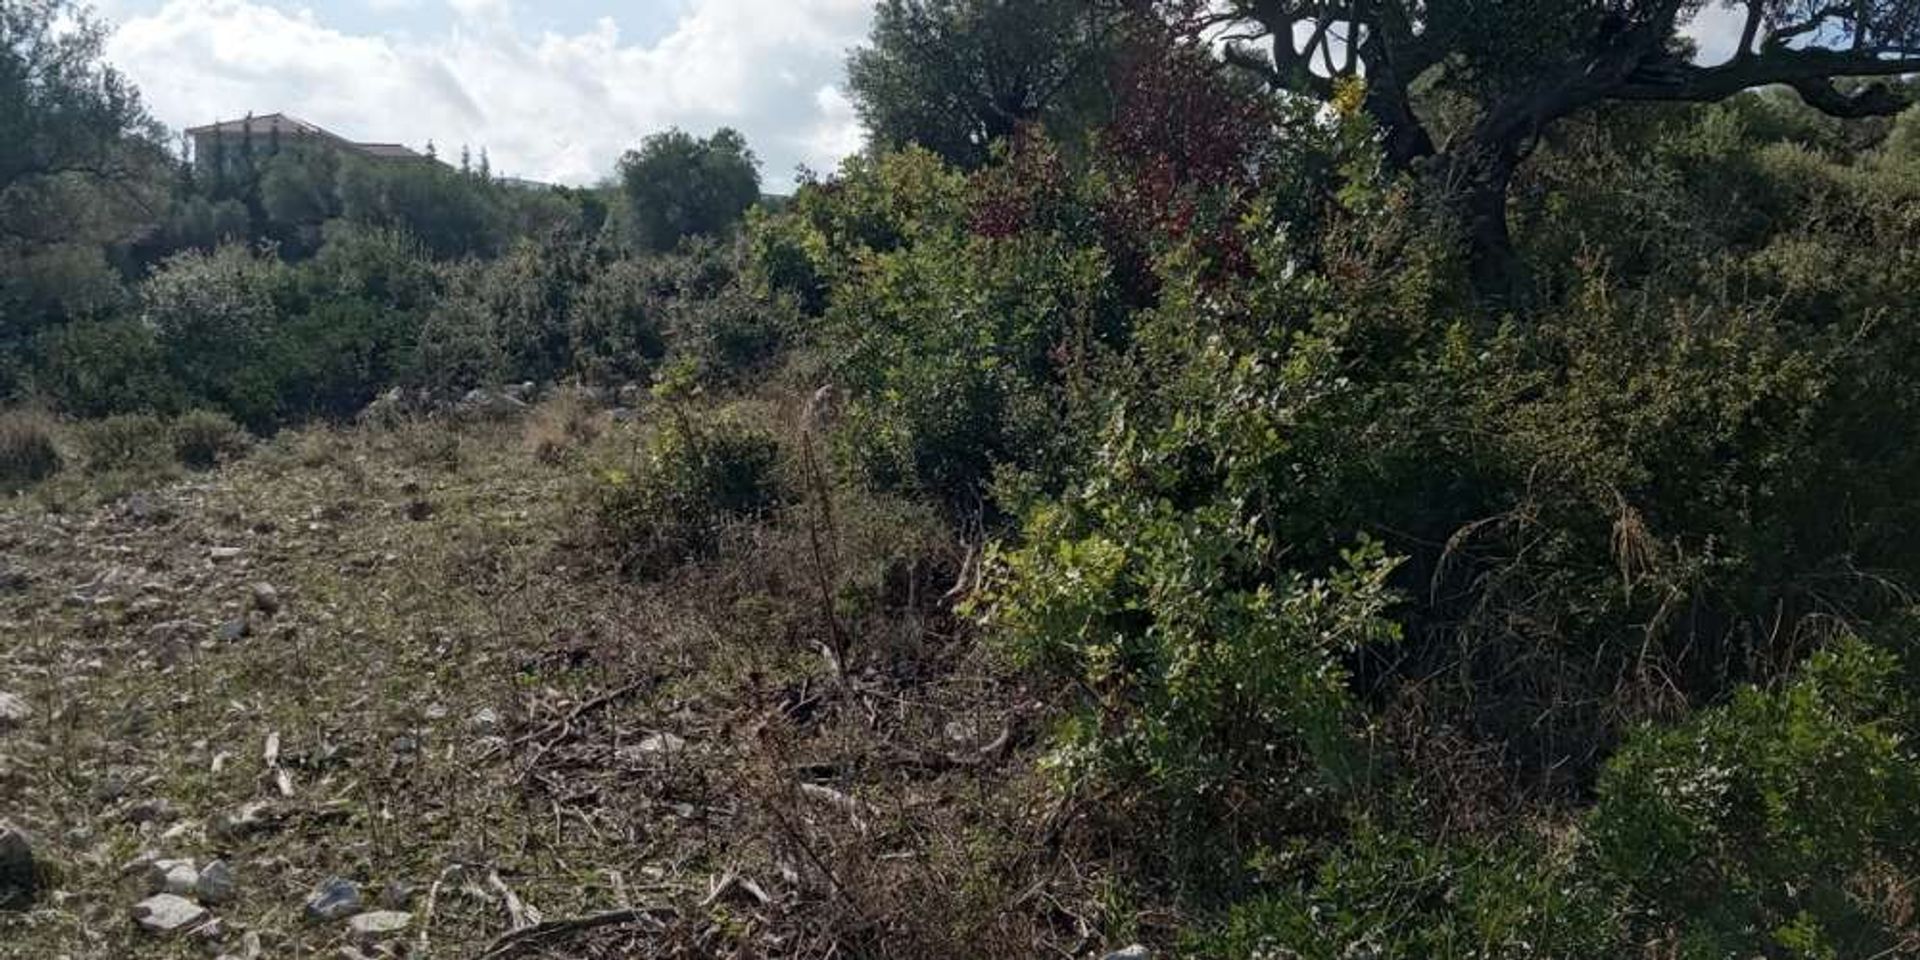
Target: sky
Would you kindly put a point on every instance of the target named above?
(554, 90)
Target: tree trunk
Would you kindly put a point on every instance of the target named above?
(1478, 176)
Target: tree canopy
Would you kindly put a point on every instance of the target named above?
(678, 185)
(956, 75)
(1522, 65)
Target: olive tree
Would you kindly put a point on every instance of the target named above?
(1519, 66)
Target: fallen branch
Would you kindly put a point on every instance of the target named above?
(547, 930)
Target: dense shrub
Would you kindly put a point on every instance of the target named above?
(960, 353)
(203, 439)
(99, 367)
(1764, 826)
(133, 444)
(614, 325)
(216, 316)
(729, 336)
(1386, 895)
(28, 453)
(691, 479)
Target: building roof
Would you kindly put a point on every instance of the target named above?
(393, 151)
(286, 126)
(265, 126)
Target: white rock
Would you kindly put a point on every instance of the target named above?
(661, 743)
(333, 899)
(1135, 952)
(378, 925)
(247, 819)
(217, 883)
(13, 711)
(266, 599)
(166, 913)
(177, 877)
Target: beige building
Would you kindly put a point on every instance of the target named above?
(274, 132)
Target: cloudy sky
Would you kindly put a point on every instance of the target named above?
(553, 89)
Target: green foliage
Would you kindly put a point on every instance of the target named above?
(955, 76)
(677, 186)
(216, 316)
(94, 368)
(28, 453)
(203, 439)
(129, 444)
(1761, 825)
(1391, 895)
(670, 505)
(450, 214)
(615, 330)
(1210, 678)
(64, 111)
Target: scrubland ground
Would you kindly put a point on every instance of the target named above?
(386, 655)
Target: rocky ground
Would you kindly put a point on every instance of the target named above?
(361, 695)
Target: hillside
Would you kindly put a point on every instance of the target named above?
(1445, 497)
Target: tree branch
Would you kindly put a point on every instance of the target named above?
(1808, 71)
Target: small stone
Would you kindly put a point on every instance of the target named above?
(1135, 952)
(217, 883)
(333, 900)
(661, 743)
(234, 630)
(266, 599)
(19, 878)
(485, 718)
(149, 811)
(224, 554)
(13, 711)
(166, 913)
(249, 948)
(245, 820)
(177, 877)
(378, 925)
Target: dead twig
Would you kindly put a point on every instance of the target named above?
(549, 930)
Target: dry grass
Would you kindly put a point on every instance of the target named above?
(28, 453)
(680, 746)
(561, 425)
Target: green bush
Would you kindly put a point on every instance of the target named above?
(28, 453)
(217, 315)
(691, 480)
(614, 325)
(93, 368)
(1760, 827)
(728, 336)
(1207, 673)
(203, 439)
(1394, 896)
(133, 443)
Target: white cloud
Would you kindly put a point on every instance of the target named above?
(557, 106)
(1717, 28)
